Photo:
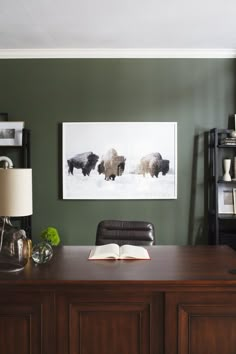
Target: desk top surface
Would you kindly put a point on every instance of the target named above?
(198, 265)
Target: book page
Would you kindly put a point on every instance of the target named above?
(130, 251)
(110, 250)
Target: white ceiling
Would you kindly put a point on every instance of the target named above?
(117, 25)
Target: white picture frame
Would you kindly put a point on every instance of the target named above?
(128, 143)
(225, 199)
(11, 133)
(234, 199)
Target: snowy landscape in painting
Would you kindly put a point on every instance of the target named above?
(119, 160)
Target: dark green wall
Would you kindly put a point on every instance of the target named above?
(197, 93)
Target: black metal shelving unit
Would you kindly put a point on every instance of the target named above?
(21, 157)
(222, 226)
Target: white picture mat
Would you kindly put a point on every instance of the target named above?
(225, 199)
(234, 199)
(18, 130)
(131, 139)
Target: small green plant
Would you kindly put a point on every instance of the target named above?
(50, 234)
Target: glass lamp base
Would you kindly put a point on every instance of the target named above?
(14, 251)
(7, 267)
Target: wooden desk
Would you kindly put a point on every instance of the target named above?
(181, 301)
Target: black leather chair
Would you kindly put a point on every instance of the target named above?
(140, 233)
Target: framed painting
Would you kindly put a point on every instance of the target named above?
(11, 133)
(119, 160)
(225, 199)
(234, 199)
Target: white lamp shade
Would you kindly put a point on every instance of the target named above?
(15, 192)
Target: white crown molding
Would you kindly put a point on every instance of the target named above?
(115, 53)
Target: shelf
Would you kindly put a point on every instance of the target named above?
(220, 181)
(221, 226)
(12, 146)
(223, 146)
(222, 216)
(227, 216)
(228, 234)
(221, 131)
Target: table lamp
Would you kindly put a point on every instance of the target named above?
(15, 201)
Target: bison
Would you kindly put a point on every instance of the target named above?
(153, 164)
(86, 161)
(111, 165)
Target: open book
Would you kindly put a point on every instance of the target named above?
(113, 251)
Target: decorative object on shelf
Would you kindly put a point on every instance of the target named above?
(16, 201)
(7, 163)
(229, 141)
(11, 133)
(234, 199)
(234, 168)
(226, 165)
(225, 200)
(43, 251)
(233, 132)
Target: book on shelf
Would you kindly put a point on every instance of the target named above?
(114, 251)
(228, 141)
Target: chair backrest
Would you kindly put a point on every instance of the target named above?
(125, 232)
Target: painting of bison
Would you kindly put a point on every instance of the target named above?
(153, 164)
(86, 161)
(111, 165)
(119, 160)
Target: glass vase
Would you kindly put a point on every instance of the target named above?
(226, 164)
(42, 252)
